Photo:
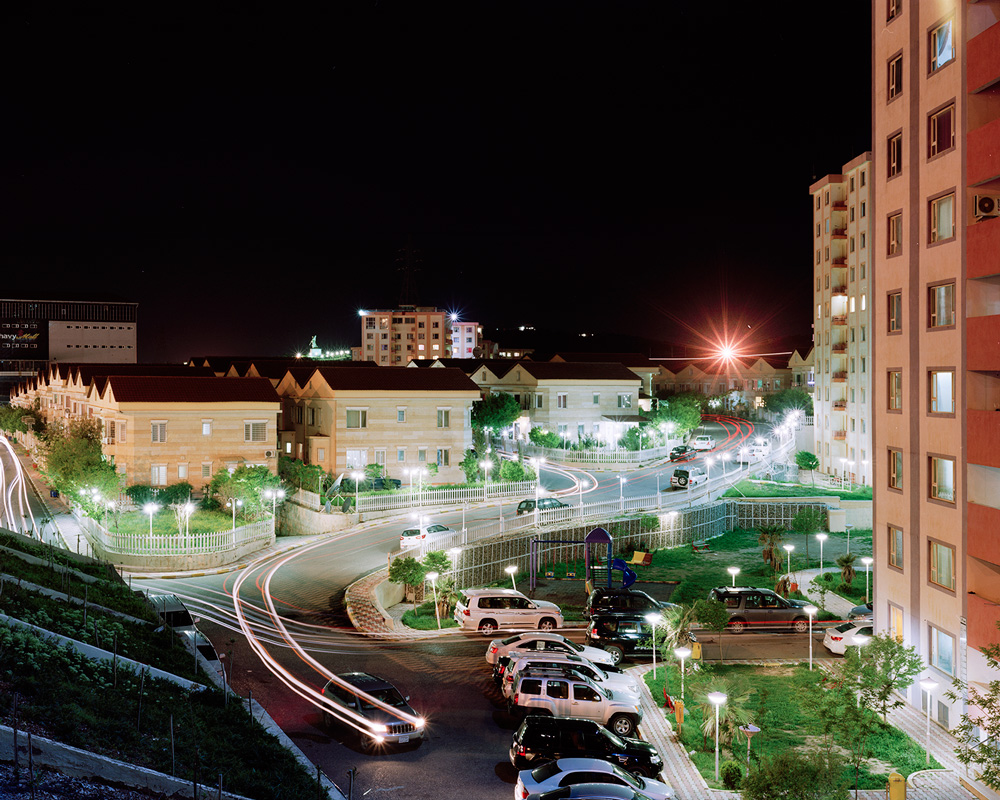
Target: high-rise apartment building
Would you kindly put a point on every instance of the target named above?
(413, 333)
(464, 338)
(842, 240)
(936, 328)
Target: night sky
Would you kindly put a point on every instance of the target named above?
(249, 172)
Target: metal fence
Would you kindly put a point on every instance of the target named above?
(609, 456)
(193, 544)
(420, 498)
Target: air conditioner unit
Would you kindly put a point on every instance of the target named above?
(986, 205)
(270, 454)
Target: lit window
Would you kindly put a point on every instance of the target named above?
(941, 131)
(942, 473)
(941, 301)
(895, 154)
(893, 10)
(942, 388)
(942, 46)
(942, 565)
(206, 427)
(942, 650)
(942, 212)
(864, 302)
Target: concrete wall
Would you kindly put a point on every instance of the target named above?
(306, 522)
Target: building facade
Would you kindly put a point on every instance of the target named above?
(413, 333)
(842, 239)
(936, 325)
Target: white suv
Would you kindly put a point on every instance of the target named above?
(704, 442)
(692, 476)
(571, 665)
(566, 696)
(490, 609)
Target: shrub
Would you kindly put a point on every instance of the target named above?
(141, 493)
(175, 493)
(731, 773)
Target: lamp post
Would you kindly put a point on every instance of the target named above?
(811, 611)
(734, 571)
(726, 457)
(274, 495)
(749, 730)
(621, 494)
(848, 529)
(928, 685)
(582, 485)
(867, 561)
(454, 552)
(653, 619)
(437, 614)
(850, 468)
(188, 509)
(716, 699)
(822, 538)
(150, 508)
(234, 504)
(788, 549)
(708, 468)
(486, 465)
(683, 653)
(357, 487)
(510, 571)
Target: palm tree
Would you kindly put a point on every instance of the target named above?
(770, 539)
(732, 714)
(846, 564)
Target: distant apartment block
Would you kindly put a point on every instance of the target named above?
(842, 240)
(413, 333)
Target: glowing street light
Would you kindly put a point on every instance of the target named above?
(511, 570)
(822, 537)
(848, 529)
(187, 510)
(811, 610)
(717, 699)
(357, 486)
(733, 571)
(683, 653)
(788, 549)
(708, 468)
(867, 561)
(928, 685)
(151, 509)
(437, 614)
(486, 467)
(454, 552)
(234, 504)
(621, 493)
(653, 619)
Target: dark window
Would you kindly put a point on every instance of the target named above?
(895, 77)
(895, 154)
(941, 131)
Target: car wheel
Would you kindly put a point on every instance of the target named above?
(736, 626)
(547, 624)
(639, 772)
(801, 625)
(487, 626)
(623, 724)
(682, 482)
(617, 654)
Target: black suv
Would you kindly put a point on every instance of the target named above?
(544, 504)
(542, 739)
(621, 635)
(756, 609)
(620, 600)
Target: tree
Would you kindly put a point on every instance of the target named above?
(713, 615)
(543, 438)
(683, 411)
(847, 571)
(809, 520)
(407, 571)
(74, 459)
(515, 471)
(978, 731)
(792, 775)
(770, 539)
(497, 411)
(808, 461)
(792, 399)
(880, 669)
(732, 714)
(245, 484)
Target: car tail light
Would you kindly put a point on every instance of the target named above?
(520, 749)
(522, 791)
(493, 649)
(593, 632)
(465, 611)
(836, 638)
(515, 698)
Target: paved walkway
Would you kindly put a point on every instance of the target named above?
(835, 604)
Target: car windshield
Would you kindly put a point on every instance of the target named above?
(632, 780)
(412, 532)
(389, 696)
(545, 772)
(844, 627)
(511, 639)
(577, 647)
(436, 529)
(615, 740)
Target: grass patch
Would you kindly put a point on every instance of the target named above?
(833, 583)
(771, 489)
(165, 523)
(422, 618)
(779, 705)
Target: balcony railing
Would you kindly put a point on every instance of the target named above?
(840, 435)
(838, 320)
(840, 377)
(839, 405)
(839, 233)
(839, 348)
(839, 290)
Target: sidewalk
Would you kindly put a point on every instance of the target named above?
(835, 604)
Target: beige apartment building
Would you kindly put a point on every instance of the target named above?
(344, 418)
(413, 333)
(936, 329)
(743, 381)
(842, 239)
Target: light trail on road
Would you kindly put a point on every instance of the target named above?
(15, 487)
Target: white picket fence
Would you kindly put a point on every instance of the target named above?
(406, 498)
(609, 456)
(193, 544)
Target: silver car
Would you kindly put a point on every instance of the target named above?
(573, 771)
(371, 702)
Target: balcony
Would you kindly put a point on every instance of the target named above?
(840, 405)
(838, 233)
(982, 241)
(839, 205)
(984, 59)
(839, 349)
(838, 261)
(982, 541)
(839, 291)
(839, 377)
(840, 436)
(838, 320)
(982, 619)
(982, 335)
(983, 443)
(983, 153)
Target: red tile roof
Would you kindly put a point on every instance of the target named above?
(173, 389)
(398, 379)
(577, 371)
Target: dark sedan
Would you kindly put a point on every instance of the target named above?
(682, 453)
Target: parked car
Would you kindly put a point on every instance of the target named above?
(202, 644)
(532, 642)
(591, 791)
(838, 639)
(692, 476)
(539, 740)
(682, 453)
(759, 450)
(569, 664)
(621, 635)
(422, 535)
(574, 771)
(171, 611)
(618, 599)
(703, 442)
(865, 611)
(356, 700)
(756, 609)
(544, 504)
(488, 610)
(562, 695)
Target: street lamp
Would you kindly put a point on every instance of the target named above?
(843, 472)
(726, 457)
(234, 504)
(749, 730)
(357, 486)
(811, 611)
(867, 561)
(454, 552)
(788, 549)
(437, 614)
(708, 468)
(822, 538)
(582, 485)
(848, 529)
(487, 466)
(621, 494)
(653, 619)
(187, 509)
(928, 685)
(734, 571)
(716, 699)
(510, 571)
(683, 653)
(150, 508)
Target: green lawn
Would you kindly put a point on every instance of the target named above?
(779, 705)
(855, 592)
(770, 489)
(422, 618)
(165, 522)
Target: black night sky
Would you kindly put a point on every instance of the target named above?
(250, 171)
